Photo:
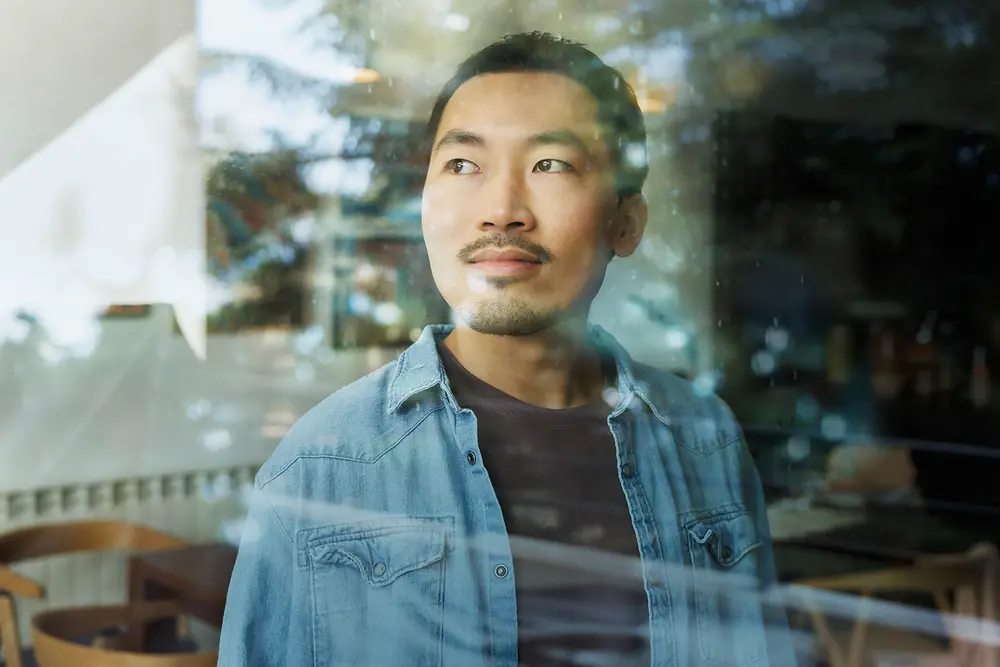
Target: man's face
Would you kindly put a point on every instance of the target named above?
(520, 214)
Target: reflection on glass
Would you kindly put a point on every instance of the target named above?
(383, 292)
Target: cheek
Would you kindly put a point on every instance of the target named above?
(438, 220)
(579, 231)
(443, 204)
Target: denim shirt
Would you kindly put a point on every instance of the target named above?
(375, 539)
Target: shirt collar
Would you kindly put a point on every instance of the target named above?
(419, 369)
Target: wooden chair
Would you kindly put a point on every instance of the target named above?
(963, 588)
(56, 633)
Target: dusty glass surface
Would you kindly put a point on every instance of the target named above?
(213, 217)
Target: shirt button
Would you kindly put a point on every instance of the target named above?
(628, 470)
(379, 569)
(500, 571)
(726, 554)
(471, 458)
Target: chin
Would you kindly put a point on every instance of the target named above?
(507, 318)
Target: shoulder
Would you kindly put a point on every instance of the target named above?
(345, 425)
(699, 419)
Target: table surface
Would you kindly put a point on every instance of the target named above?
(201, 570)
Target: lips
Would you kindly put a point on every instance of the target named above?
(492, 255)
(506, 263)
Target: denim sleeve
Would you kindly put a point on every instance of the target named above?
(780, 647)
(256, 626)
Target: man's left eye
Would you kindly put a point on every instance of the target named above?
(553, 166)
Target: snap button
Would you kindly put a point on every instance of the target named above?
(379, 569)
(628, 470)
(726, 553)
(471, 458)
(500, 571)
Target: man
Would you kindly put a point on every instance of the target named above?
(379, 531)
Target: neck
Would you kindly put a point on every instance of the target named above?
(555, 368)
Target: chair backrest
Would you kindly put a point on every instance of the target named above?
(977, 598)
(55, 633)
(963, 586)
(52, 539)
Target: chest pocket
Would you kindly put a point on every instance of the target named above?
(378, 591)
(728, 607)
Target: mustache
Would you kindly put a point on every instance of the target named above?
(501, 240)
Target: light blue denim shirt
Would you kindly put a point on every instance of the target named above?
(375, 540)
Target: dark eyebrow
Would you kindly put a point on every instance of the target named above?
(566, 138)
(458, 138)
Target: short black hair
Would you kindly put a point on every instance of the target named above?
(617, 108)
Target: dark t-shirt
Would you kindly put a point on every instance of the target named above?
(555, 475)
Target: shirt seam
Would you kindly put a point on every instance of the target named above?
(277, 519)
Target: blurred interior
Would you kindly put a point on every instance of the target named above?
(823, 175)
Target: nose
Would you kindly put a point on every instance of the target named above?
(506, 206)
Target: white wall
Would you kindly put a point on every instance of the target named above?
(142, 404)
(58, 58)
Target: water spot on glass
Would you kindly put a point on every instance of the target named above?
(776, 338)
(308, 340)
(231, 530)
(763, 362)
(216, 489)
(216, 439)
(457, 22)
(324, 356)
(966, 155)
(807, 408)
(706, 382)
(249, 531)
(199, 409)
(992, 180)
(358, 303)
(302, 229)
(635, 155)
(229, 413)
(305, 372)
(387, 313)
(833, 427)
(610, 396)
(676, 339)
(798, 447)
(607, 24)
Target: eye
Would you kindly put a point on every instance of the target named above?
(553, 167)
(460, 167)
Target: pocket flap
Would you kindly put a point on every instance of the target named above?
(728, 538)
(381, 555)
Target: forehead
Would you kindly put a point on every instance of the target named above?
(518, 104)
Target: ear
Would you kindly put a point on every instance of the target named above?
(629, 225)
